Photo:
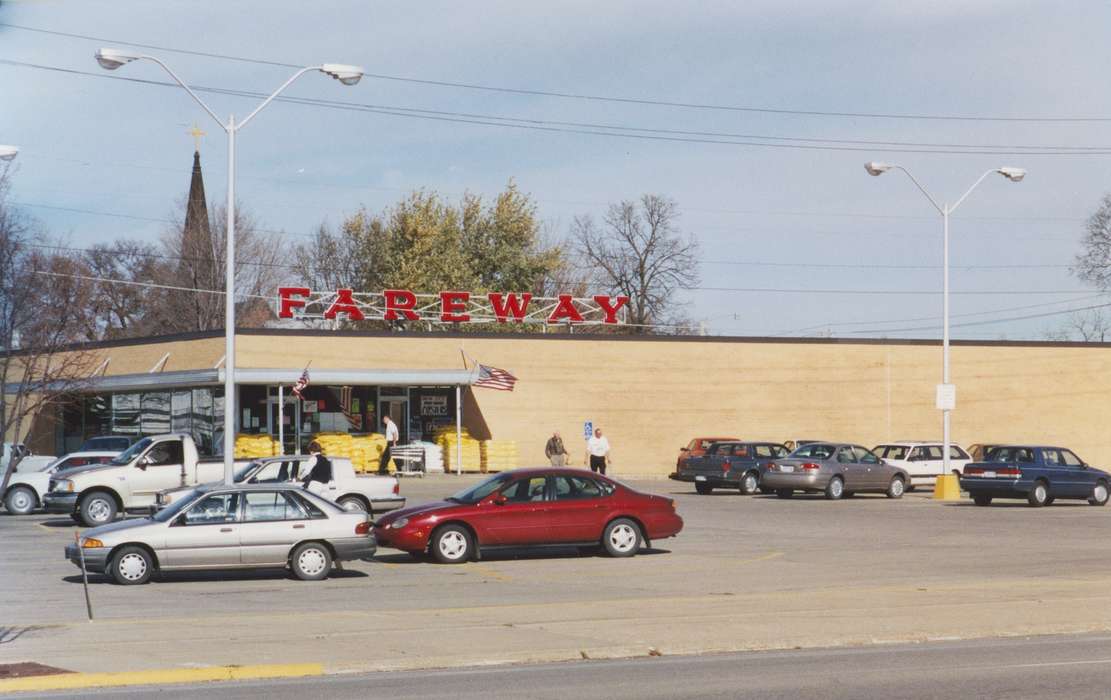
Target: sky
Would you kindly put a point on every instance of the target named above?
(779, 105)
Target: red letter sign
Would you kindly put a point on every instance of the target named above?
(344, 304)
(512, 304)
(610, 311)
(400, 300)
(451, 304)
(565, 310)
(288, 304)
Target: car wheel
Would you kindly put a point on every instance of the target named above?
(20, 501)
(451, 544)
(621, 538)
(311, 562)
(352, 504)
(784, 493)
(131, 566)
(1099, 494)
(848, 494)
(1039, 495)
(835, 489)
(896, 488)
(703, 488)
(749, 483)
(981, 500)
(97, 508)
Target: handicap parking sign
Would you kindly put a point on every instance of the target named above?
(588, 429)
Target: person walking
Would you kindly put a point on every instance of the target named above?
(555, 451)
(320, 469)
(392, 437)
(598, 452)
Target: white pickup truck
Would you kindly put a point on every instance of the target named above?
(351, 491)
(132, 480)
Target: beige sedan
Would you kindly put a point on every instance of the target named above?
(230, 527)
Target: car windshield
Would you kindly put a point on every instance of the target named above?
(814, 450)
(129, 454)
(481, 490)
(176, 507)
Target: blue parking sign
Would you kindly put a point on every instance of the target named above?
(588, 429)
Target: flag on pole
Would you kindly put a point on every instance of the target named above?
(301, 384)
(494, 378)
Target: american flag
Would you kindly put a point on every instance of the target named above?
(345, 403)
(494, 378)
(301, 384)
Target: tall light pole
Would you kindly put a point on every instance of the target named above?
(8, 152)
(946, 399)
(111, 59)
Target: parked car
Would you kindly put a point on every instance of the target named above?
(528, 507)
(734, 465)
(697, 447)
(27, 488)
(369, 493)
(1040, 474)
(924, 461)
(793, 445)
(980, 452)
(837, 469)
(131, 481)
(114, 443)
(230, 527)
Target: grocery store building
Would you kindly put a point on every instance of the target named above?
(649, 394)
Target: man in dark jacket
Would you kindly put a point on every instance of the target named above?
(555, 451)
(321, 466)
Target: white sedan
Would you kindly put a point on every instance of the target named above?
(923, 460)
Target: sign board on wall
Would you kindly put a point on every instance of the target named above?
(588, 429)
(432, 405)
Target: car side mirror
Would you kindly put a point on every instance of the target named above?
(144, 463)
(500, 500)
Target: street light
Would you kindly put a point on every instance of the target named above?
(111, 59)
(8, 152)
(946, 392)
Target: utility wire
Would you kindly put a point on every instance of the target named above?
(982, 323)
(588, 96)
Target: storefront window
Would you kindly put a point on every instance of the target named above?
(155, 412)
(125, 414)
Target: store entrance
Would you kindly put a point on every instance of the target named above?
(291, 419)
(398, 410)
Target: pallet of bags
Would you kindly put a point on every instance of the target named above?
(369, 448)
(335, 444)
(255, 446)
(499, 455)
(472, 451)
(433, 457)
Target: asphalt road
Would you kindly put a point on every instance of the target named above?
(1074, 667)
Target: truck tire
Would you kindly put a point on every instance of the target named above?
(21, 500)
(353, 504)
(97, 508)
(703, 488)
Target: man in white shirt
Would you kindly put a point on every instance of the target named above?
(598, 452)
(392, 437)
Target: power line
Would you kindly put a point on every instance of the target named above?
(984, 323)
(872, 266)
(587, 96)
(118, 215)
(583, 128)
(885, 292)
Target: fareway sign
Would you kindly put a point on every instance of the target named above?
(450, 307)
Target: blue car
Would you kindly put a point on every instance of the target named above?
(1040, 474)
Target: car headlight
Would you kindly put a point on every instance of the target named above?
(64, 485)
(399, 523)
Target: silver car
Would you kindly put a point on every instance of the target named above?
(230, 527)
(837, 469)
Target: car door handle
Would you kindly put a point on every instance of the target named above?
(298, 527)
(225, 529)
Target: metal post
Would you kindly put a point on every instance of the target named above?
(230, 404)
(84, 575)
(281, 422)
(945, 439)
(458, 430)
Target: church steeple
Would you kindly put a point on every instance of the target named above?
(196, 210)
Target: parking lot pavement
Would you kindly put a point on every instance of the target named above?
(746, 573)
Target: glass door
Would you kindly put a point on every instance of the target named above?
(290, 417)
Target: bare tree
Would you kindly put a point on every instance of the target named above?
(1093, 326)
(117, 309)
(1093, 264)
(639, 252)
(38, 296)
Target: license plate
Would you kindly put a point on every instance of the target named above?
(786, 468)
(699, 478)
(989, 475)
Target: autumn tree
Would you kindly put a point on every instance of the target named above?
(638, 251)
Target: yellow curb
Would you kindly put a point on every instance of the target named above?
(69, 681)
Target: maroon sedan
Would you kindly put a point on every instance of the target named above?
(529, 507)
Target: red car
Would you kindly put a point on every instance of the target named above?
(529, 507)
(697, 447)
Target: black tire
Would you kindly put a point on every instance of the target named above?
(97, 508)
(897, 487)
(750, 482)
(452, 544)
(21, 500)
(1049, 501)
(353, 504)
(1039, 495)
(131, 566)
(835, 489)
(1099, 495)
(981, 500)
(703, 488)
(622, 538)
(848, 494)
(311, 561)
(784, 493)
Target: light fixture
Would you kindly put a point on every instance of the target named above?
(876, 168)
(111, 59)
(348, 75)
(8, 152)
(1013, 174)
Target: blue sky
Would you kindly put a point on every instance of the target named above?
(120, 147)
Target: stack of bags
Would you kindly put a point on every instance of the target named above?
(366, 451)
(336, 444)
(499, 455)
(255, 446)
(472, 450)
(433, 456)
